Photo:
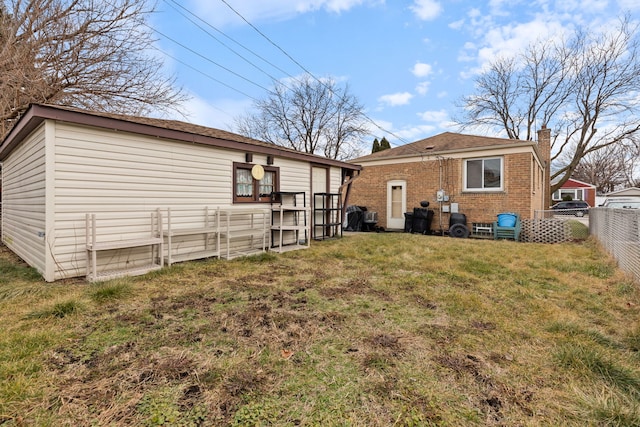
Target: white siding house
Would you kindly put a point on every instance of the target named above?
(60, 164)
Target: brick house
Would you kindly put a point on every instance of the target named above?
(477, 176)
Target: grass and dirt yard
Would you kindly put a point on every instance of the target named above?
(368, 330)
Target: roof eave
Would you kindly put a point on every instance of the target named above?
(37, 113)
(447, 152)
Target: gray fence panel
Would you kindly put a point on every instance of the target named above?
(618, 231)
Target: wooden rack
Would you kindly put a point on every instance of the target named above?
(209, 229)
(93, 247)
(248, 223)
(289, 216)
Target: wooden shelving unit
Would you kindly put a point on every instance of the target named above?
(289, 217)
(249, 223)
(327, 215)
(209, 230)
(94, 247)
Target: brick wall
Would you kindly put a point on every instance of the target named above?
(521, 193)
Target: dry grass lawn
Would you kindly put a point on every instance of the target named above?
(368, 330)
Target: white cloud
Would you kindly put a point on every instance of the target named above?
(629, 4)
(423, 87)
(434, 116)
(426, 10)
(395, 99)
(508, 40)
(511, 40)
(456, 25)
(421, 69)
(218, 14)
(219, 113)
(415, 133)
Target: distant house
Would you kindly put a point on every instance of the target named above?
(631, 192)
(577, 190)
(62, 167)
(477, 176)
(626, 197)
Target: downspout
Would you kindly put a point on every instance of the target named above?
(347, 185)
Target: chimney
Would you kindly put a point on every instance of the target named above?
(544, 147)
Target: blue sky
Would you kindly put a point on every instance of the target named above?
(408, 62)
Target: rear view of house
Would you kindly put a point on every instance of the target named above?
(475, 176)
(84, 192)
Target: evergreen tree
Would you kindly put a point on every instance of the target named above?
(384, 144)
(376, 146)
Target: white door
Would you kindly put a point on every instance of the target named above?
(396, 204)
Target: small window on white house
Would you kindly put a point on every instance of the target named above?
(570, 194)
(250, 190)
(483, 174)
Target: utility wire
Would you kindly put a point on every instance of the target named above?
(367, 118)
(208, 59)
(302, 67)
(206, 75)
(257, 55)
(215, 38)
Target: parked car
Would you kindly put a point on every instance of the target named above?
(573, 207)
(622, 203)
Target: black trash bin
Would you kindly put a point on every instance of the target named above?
(422, 218)
(408, 222)
(458, 226)
(457, 218)
(355, 218)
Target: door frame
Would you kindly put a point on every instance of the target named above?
(396, 223)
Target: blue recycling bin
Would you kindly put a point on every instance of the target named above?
(507, 220)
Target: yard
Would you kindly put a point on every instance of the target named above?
(369, 330)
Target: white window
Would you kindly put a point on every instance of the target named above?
(483, 174)
(575, 194)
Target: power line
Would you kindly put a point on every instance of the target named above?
(228, 37)
(367, 118)
(206, 58)
(214, 37)
(205, 74)
(290, 57)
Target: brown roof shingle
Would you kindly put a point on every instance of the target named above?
(170, 129)
(444, 142)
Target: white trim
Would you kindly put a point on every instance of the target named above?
(49, 200)
(579, 182)
(483, 189)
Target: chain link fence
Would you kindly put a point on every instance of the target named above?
(618, 231)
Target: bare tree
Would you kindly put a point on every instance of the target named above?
(308, 115)
(607, 168)
(585, 89)
(83, 53)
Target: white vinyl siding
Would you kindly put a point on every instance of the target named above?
(335, 177)
(63, 171)
(23, 197)
(294, 176)
(129, 176)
